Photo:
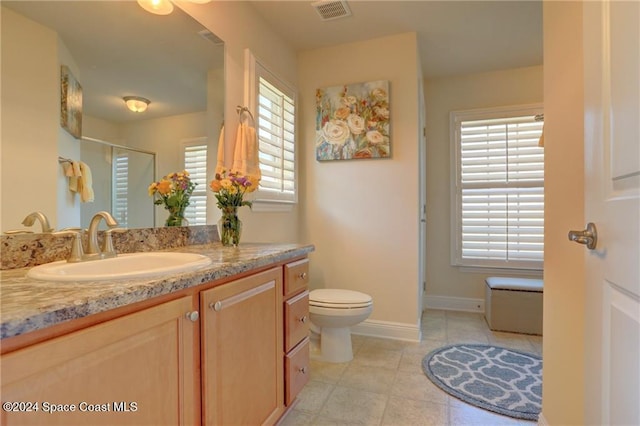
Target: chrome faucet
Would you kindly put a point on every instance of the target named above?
(44, 222)
(92, 246)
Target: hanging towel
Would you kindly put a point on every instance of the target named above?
(245, 155)
(85, 184)
(67, 167)
(72, 171)
(220, 162)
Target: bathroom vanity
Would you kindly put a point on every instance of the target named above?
(226, 344)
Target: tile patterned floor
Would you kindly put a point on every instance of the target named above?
(384, 383)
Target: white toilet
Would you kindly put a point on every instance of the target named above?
(332, 313)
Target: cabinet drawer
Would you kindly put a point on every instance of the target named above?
(296, 277)
(296, 320)
(296, 370)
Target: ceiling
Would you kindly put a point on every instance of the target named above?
(454, 37)
(122, 50)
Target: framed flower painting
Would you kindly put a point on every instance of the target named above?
(70, 103)
(352, 121)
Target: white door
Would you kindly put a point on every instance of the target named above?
(612, 197)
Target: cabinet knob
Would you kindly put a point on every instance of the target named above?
(303, 319)
(216, 306)
(303, 370)
(302, 275)
(192, 316)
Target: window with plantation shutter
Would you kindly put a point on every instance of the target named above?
(499, 188)
(120, 187)
(274, 102)
(195, 162)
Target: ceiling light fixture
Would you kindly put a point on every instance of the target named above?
(136, 103)
(158, 7)
(163, 7)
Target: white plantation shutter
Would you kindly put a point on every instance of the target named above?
(274, 103)
(120, 187)
(195, 162)
(276, 135)
(499, 189)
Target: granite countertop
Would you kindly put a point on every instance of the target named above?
(28, 305)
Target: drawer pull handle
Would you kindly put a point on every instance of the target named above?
(303, 319)
(303, 370)
(192, 316)
(216, 306)
(302, 275)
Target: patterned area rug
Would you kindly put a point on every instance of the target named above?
(501, 380)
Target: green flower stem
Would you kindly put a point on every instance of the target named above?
(176, 216)
(230, 227)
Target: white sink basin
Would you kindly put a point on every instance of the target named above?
(124, 266)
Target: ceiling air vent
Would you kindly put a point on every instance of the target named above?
(208, 35)
(329, 10)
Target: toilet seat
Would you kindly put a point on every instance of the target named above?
(339, 299)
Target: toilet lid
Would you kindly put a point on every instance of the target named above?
(339, 298)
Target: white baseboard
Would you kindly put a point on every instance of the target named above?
(542, 421)
(388, 330)
(454, 303)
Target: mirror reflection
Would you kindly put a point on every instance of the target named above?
(114, 50)
(121, 176)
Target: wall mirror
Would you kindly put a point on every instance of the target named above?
(115, 49)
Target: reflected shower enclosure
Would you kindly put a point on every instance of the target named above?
(121, 176)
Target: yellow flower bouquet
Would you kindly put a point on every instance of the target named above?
(174, 191)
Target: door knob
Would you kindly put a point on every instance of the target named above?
(588, 237)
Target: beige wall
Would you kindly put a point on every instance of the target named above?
(104, 130)
(443, 95)
(240, 27)
(362, 215)
(30, 91)
(564, 289)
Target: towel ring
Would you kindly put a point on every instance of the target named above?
(243, 109)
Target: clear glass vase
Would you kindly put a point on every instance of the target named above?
(230, 227)
(176, 218)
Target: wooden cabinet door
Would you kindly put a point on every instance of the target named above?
(134, 370)
(242, 358)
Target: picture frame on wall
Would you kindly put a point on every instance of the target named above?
(70, 103)
(352, 121)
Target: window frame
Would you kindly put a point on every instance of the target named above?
(265, 200)
(201, 189)
(455, 120)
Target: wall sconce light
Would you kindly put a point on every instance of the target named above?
(136, 103)
(158, 7)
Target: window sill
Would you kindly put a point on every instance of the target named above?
(533, 272)
(260, 206)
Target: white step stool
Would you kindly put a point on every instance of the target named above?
(514, 304)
